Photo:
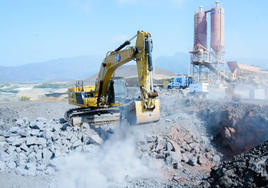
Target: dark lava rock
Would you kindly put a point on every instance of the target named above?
(249, 169)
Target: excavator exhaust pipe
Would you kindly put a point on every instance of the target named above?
(136, 114)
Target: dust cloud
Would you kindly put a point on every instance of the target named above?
(112, 164)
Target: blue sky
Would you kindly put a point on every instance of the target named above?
(40, 30)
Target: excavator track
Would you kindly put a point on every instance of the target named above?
(92, 116)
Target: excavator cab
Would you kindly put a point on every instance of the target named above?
(117, 91)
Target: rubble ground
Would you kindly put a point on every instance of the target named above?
(38, 149)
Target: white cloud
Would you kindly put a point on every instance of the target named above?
(118, 39)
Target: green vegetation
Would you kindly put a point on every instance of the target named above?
(24, 98)
(12, 89)
(5, 85)
(49, 86)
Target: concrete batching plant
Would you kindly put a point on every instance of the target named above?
(203, 60)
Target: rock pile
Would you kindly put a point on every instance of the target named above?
(252, 81)
(240, 126)
(172, 92)
(179, 147)
(31, 110)
(30, 148)
(183, 154)
(36, 147)
(181, 144)
(248, 169)
(246, 133)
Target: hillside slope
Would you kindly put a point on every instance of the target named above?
(84, 66)
(126, 71)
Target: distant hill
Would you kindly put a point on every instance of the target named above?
(70, 68)
(126, 71)
(85, 66)
(65, 68)
(177, 63)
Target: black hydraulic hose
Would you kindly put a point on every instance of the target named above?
(100, 92)
(127, 42)
(148, 49)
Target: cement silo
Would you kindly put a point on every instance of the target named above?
(200, 28)
(217, 28)
(205, 59)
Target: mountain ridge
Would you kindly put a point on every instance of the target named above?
(84, 66)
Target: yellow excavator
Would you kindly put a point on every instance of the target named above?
(104, 103)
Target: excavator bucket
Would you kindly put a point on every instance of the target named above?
(229, 92)
(136, 114)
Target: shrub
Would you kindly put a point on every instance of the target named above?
(49, 86)
(24, 98)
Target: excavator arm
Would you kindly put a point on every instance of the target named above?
(108, 67)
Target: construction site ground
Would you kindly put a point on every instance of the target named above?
(196, 143)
